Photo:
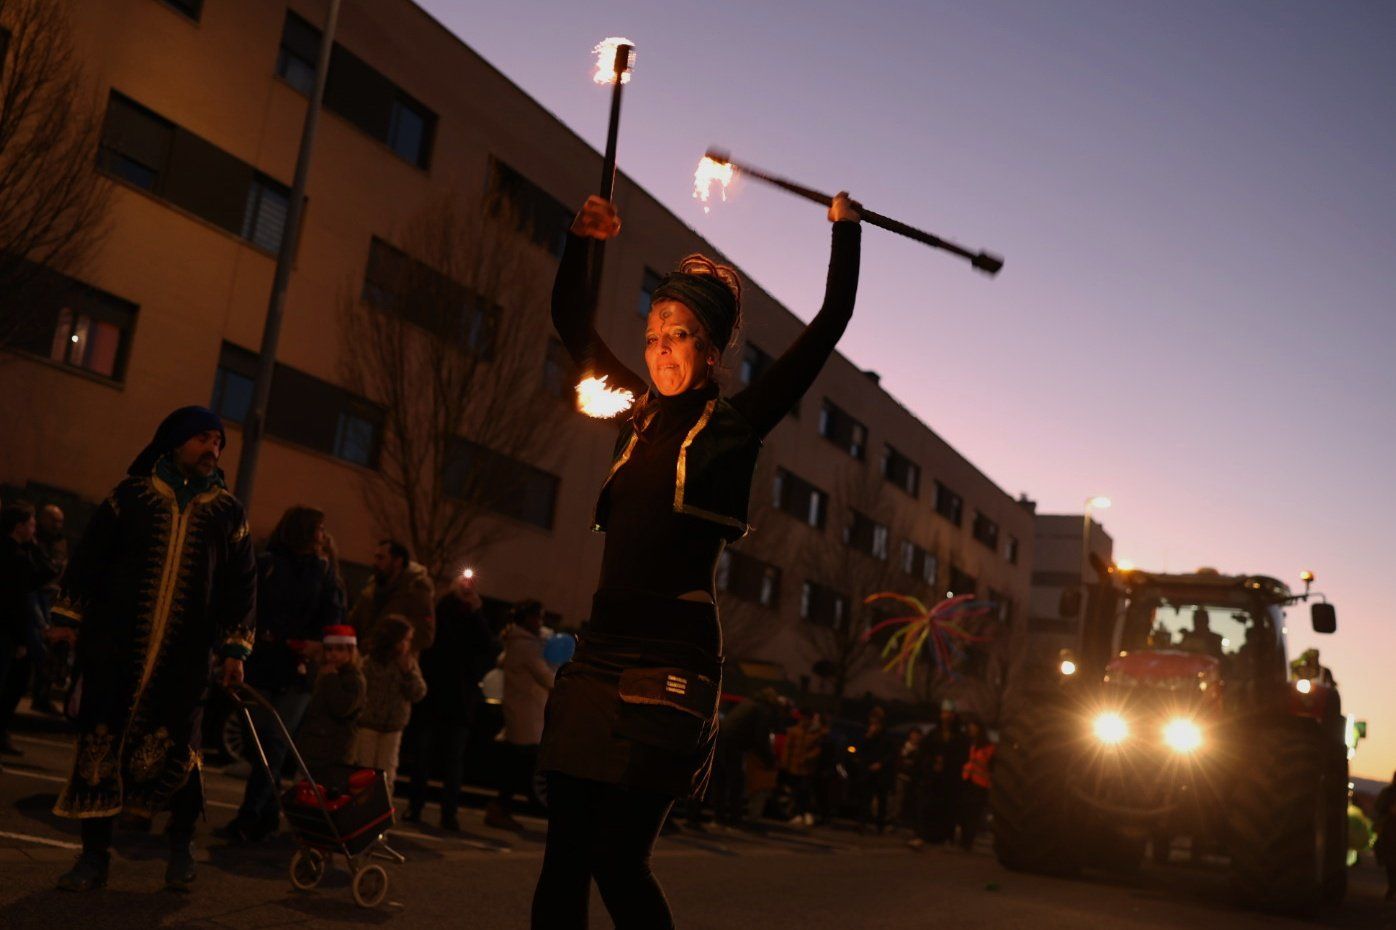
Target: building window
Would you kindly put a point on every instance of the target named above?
(985, 530)
(233, 383)
(918, 563)
(396, 283)
(866, 535)
(800, 499)
(948, 504)
(559, 371)
(842, 430)
(538, 214)
(648, 282)
(748, 578)
(502, 484)
(754, 364)
(1002, 606)
(901, 471)
(300, 48)
(961, 582)
(190, 8)
(267, 205)
(357, 92)
(407, 130)
(1010, 550)
(822, 605)
(189, 172)
(355, 438)
(76, 326)
(302, 409)
(135, 143)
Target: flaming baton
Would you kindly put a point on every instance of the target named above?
(717, 166)
(615, 57)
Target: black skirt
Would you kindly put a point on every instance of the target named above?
(637, 705)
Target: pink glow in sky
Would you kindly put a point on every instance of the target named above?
(1197, 205)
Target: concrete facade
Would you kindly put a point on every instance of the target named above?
(198, 285)
(1057, 545)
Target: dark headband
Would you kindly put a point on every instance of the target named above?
(710, 300)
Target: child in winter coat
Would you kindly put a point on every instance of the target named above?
(326, 736)
(394, 684)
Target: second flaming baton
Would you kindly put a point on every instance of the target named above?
(718, 166)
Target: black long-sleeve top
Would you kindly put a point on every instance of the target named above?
(649, 547)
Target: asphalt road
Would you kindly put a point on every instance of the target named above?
(809, 880)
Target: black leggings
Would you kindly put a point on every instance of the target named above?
(606, 832)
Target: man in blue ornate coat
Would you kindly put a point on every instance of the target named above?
(163, 579)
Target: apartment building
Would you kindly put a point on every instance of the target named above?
(204, 101)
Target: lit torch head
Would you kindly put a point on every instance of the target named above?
(595, 399)
(712, 169)
(606, 60)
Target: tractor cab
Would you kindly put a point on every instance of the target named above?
(1205, 633)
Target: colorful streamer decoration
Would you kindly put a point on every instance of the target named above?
(940, 626)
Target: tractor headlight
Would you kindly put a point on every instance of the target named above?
(1110, 728)
(1182, 735)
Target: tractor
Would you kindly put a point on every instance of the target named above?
(1178, 716)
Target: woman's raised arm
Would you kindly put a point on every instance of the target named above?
(782, 385)
(574, 314)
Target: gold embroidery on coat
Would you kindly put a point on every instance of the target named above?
(95, 761)
(149, 757)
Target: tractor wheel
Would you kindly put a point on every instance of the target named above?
(1033, 831)
(1281, 820)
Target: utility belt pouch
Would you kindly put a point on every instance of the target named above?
(669, 708)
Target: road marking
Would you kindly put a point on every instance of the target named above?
(41, 840)
(476, 844)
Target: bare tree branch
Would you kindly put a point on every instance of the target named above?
(447, 335)
(53, 205)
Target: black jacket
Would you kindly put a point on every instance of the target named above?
(297, 597)
(23, 571)
(463, 651)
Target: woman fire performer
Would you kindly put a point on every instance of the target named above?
(632, 720)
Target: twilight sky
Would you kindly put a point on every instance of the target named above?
(1197, 207)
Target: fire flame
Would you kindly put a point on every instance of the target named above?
(711, 171)
(606, 60)
(596, 400)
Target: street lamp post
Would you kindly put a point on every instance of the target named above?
(1095, 502)
(254, 424)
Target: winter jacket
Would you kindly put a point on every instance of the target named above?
(410, 596)
(879, 749)
(391, 694)
(803, 745)
(463, 651)
(23, 571)
(326, 735)
(527, 680)
(981, 760)
(297, 597)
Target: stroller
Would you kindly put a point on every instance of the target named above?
(351, 822)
